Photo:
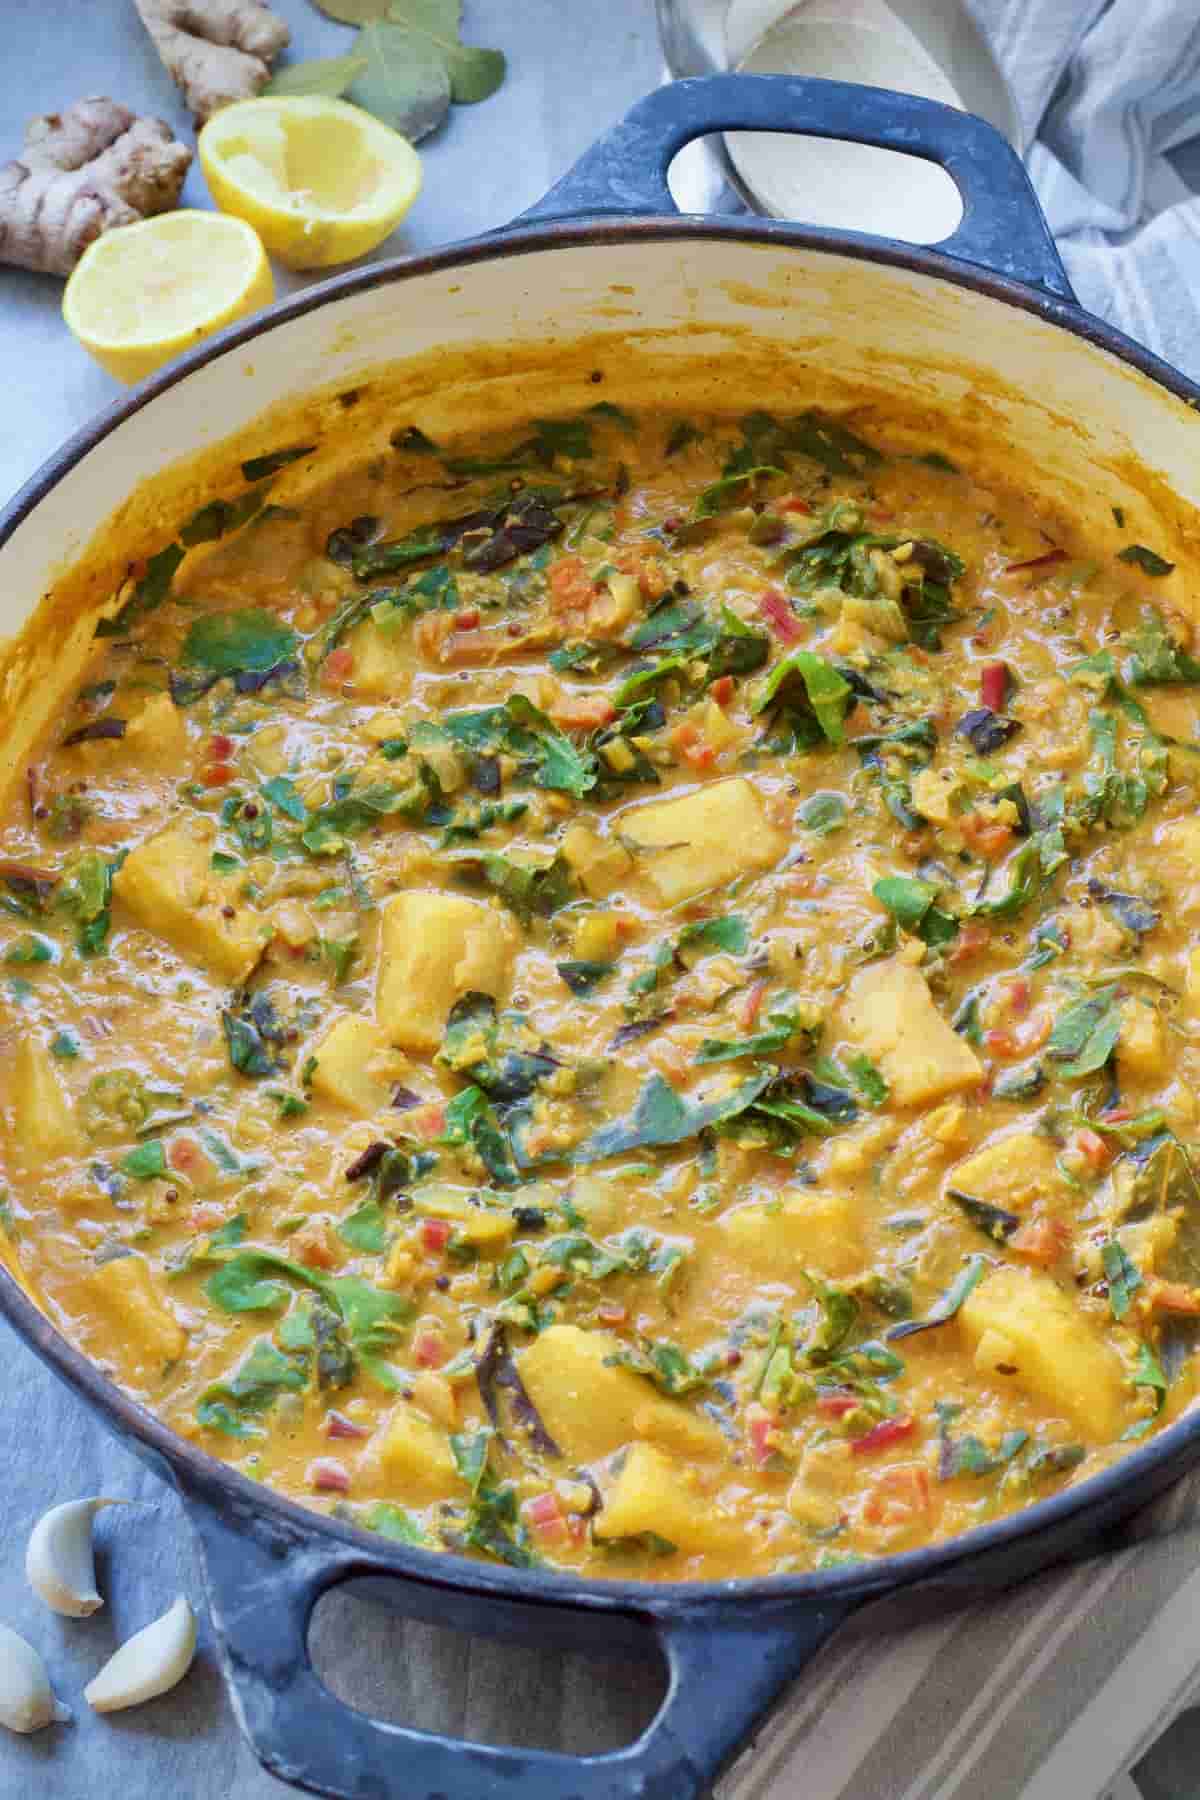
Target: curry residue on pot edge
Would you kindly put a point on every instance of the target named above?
(622, 998)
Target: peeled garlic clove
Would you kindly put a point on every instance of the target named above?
(58, 1561)
(148, 1663)
(27, 1701)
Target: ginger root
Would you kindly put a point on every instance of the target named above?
(80, 173)
(215, 51)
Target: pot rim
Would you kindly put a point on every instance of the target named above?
(205, 1477)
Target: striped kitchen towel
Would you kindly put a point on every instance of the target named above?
(1052, 1691)
(1107, 91)
(1049, 1692)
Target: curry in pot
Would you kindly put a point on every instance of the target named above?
(622, 998)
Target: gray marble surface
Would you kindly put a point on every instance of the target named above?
(574, 68)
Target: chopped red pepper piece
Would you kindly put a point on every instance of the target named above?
(773, 605)
(888, 1431)
(994, 683)
(328, 1476)
(435, 1234)
(836, 1406)
(337, 1425)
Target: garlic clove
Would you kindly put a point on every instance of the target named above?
(59, 1563)
(27, 1701)
(148, 1663)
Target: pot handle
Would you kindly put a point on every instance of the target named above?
(725, 1668)
(1002, 227)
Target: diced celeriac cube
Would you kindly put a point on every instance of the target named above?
(382, 667)
(414, 1454)
(591, 1406)
(436, 948)
(157, 731)
(1142, 1045)
(1012, 1170)
(356, 1067)
(171, 889)
(821, 1232)
(126, 1295)
(41, 1123)
(1023, 1328)
(890, 1014)
(934, 792)
(656, 1493)
(703, 839)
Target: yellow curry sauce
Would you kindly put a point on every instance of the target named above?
(622, 998)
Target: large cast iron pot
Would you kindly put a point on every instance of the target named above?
(984, 328)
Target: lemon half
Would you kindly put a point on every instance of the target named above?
(143, 293)
(320, 180)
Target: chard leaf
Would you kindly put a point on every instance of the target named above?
(964, 1283)
(1155, 658)
(661, 1116)
(254, 1387)
(993, 1221)
(1085, 1034)
(365, 1228)
(1148, 561)
(911, 904)
(146, 1162)
(472, 1123)
(808, 682)
(670, 1369)
(731, 934)
(520, 729)
(1025, 873)
(582, 976)
(823, 813)
(228, 643)
(250, 1036)
(1124, 1277)
(148, 594)
(218, 517)
(729, 490)
(783, 1029)
(531, 890)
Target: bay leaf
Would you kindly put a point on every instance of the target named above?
(328, 76)
(354, 12)
(405, 82)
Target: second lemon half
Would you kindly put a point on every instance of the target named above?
(320, 180)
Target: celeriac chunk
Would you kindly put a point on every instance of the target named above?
(382, 667)
(171, 889)
(1011, 1170)
(356, 1067)
(41, 1123)
(414, 1453)
(125, 1293)
(890, 1014)
(592, 1407)
(1022, 1327)
(653, 1492)
(817, 1231)
(703, 839)
(435, 949)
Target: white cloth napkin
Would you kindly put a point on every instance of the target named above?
(1109, 87)
(1054, 1691)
